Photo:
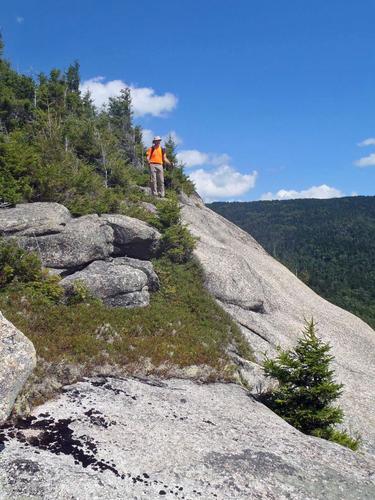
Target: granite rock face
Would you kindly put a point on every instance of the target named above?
(142, 265)
(67, 243)
(33, 219)
(17, 360)
(146, 439)
(133, 237)
(83, 240)
(96, 250)
(269, 304)
(119, 282)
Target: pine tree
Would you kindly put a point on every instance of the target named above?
(307, 388)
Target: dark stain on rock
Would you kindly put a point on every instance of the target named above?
(96, 418)
(56, 437)
(105, 384)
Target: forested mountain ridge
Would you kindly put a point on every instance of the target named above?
(329, 244)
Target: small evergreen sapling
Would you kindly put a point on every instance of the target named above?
(307, 388)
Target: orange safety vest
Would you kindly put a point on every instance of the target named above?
(155, 155)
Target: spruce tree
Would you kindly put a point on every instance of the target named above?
(170, 149)
(307, 388)
(175, 177)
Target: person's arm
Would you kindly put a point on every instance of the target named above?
(166, 160)
(148, 154)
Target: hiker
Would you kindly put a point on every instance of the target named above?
(156, 157)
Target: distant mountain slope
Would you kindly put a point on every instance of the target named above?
(329, 244)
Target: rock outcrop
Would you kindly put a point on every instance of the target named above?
(145, 266)
(84, 248)
(119, 282)
(146, 439)
(17, 360)
(132, 237)
(82, 241)
(269, 304)
(33, 219)
(67, 243)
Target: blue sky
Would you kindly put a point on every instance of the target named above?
(270, 98)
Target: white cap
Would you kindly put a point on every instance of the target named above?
(156, 138)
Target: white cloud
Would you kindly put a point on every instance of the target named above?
(367, 142)
(176, 138)
(369, 160)
(148, 135)
(218, 183)
(366, 161)
(192, 158)
(219, 159)
(321, 192)
(20, 19)
(144, 99)
(222, 183)
(101, 91)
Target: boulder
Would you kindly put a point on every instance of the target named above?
(118, 282)
(145, 189)
(133, 237)
(150, 207)
(82, 241)
(143, 265)
(17, 360)
(33, 219)
(147, 439)
(193, 200)
(269, 304)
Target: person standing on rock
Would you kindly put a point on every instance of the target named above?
(156, 158)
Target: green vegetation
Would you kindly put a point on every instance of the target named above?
(307, 389)
(174, 177)
(177, 242)
(329, 244)
(16, 265)
(183, 326)
(56, 146)
(22, 271)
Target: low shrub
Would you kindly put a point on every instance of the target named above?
(139, 212)
(178, 243)
(78, 293)
(48, 288)
(339, 437)
(17, 265)
(22, 271)
(168, 212)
